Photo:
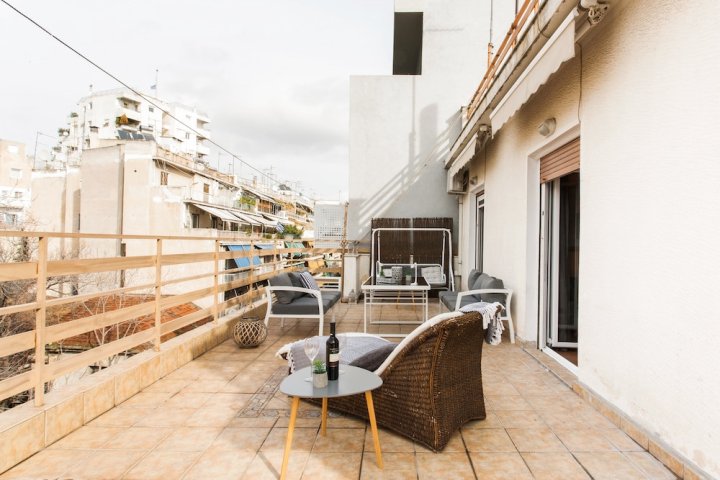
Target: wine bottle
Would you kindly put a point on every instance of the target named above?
(332, 354)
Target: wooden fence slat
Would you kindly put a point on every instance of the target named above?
(84, 359)
(65, 330)
(16, 384)
(17, 343)
(95, 265)
(17, 271)
(181, 258)
(185, 320)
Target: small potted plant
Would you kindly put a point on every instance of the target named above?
(319, 374)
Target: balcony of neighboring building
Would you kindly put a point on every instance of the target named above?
(202, 150)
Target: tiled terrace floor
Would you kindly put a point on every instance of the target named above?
(221, 417)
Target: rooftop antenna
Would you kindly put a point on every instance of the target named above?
(155, 86)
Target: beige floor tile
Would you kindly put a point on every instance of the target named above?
(500, 466)
(535, 440)
(621, 440)
(488, 440)
(122, 417)
(302, 441)
(555, 466)
(491, 421)
(301, 422)
(220, 465)
(389, 442)
(650, 465)
(508, 402)
(400, 466)
(168, 385)
(189, 439)
(170, 417)
(105, 464)
(499, 388)
(339, 440)
(187, 400)
(147, 399)
(235, 401)
(609, 465)
(205, 386)
(432, 466)
(47, 464)
(240, 439)
(87, 437)
(267, 465)
(520, 419)
(329, 465)
(212, 417)
(250, 422)
(137, 438)
(584, 440)
(162, 466)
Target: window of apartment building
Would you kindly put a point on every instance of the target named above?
(187, 135)
(10, 219)
(15, 173)
(407, 44)
(151, 109)
(206, 188)
(18, 194)
(90, 105)
(195, 219)
(106, 123)
(163, 178)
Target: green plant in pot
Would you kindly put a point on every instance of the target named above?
(319, 374)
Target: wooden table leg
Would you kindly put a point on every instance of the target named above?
(373, 426)
(323, 421)
(288, 442)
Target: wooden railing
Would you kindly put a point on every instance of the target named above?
(528, 8)
(167, 272)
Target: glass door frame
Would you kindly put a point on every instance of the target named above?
(549, 265)
(479, 229)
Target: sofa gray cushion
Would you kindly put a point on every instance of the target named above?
(307, 304)
(472, 276)
(449, 298)
(374, 358)
(479, 281)
(488, 283)
(296, 282)
(282, 280)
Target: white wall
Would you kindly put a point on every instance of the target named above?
(400, 126)
(650, 222)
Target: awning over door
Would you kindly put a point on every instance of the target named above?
(221, 213)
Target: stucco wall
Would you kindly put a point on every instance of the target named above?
(400, 126)
(650, 225)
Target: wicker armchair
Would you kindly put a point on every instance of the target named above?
(432, 384)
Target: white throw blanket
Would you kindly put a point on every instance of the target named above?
(491, 319)
(356, 345)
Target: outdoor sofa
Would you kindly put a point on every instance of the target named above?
(287, 297)
(482, 288)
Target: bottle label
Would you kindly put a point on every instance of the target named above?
(334, 357)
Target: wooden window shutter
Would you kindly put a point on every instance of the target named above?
(562, 161)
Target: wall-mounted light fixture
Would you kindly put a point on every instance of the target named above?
(547, 127)
(473, 180)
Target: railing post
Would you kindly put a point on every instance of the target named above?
(40, 315)
(158, 291)
(216, 259)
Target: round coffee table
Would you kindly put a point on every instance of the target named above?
(353, 380)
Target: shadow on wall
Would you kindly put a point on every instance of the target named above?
(397, 190)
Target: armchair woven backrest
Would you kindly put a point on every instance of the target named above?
(432, 386)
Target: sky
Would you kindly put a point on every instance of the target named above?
(273, 75)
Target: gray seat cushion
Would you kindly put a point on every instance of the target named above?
(374, 358)
(307, 304)
(296, 282)
(282, 280)
(488, 282)
(449, 298)
(472, 276)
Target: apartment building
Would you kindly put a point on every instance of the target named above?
(15, 184)
(121, 114)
